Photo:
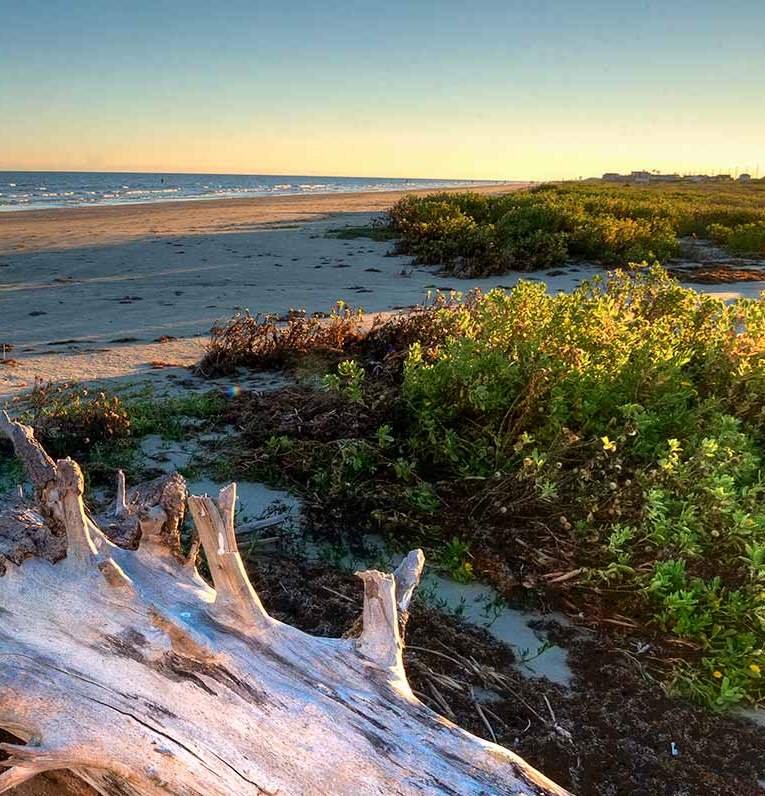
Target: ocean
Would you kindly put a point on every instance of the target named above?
(38, 190)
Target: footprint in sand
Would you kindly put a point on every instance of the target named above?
(126, 299)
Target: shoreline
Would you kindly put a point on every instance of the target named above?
(67, 227)
(465, 185)
(130, 293)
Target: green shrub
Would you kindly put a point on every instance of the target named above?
(585, 398)
(102, 430)
(480, 235)
(747, 239)
(68, 420)
(719, 233)
(347, 381)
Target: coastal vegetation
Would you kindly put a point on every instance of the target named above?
(103, 429)
(603, 447)
(740, 239)
(599, 453)
(378, 232)
(481, 235)
(263, 341)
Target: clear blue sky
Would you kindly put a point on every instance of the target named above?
(484, 89)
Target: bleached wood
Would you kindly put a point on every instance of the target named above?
(125, 667)
(16, 776)
(38, 464)
(120, 503)
(380, 640)
(151, 513)
(65, 500)
(236, 602)
(407, 577)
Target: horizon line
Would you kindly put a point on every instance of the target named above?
(4, 170)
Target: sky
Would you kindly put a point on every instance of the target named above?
(468, 89)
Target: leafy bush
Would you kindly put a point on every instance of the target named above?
(347, 381)
(102, 430)
(68, 420)
(480, 235)
(586, 398)
(741, 239)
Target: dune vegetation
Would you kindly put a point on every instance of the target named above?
(603, 447)
(480, 235)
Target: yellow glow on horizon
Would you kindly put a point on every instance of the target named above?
(460, 149)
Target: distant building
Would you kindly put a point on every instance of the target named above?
(640, 176)
(647, 176)
(744, 177)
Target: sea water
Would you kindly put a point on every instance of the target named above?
(51, 189)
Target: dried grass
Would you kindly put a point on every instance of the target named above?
(264, 341)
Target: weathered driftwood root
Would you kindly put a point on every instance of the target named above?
(127, 668)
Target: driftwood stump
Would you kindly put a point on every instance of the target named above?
(125, 667)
